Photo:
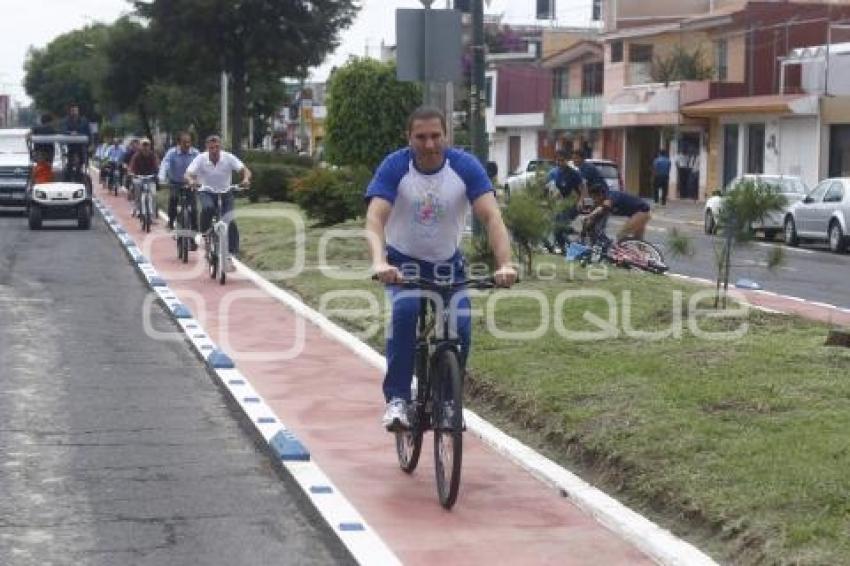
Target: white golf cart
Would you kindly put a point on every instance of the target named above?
(68, 196)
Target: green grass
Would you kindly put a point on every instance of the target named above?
(740, 446)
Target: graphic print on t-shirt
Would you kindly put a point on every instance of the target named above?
(428, 211)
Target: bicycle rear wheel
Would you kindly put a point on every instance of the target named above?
(448, 427)
(651, 256)
(212, 255)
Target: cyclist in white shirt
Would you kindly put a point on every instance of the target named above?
(213, 170)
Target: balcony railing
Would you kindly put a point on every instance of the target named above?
(577, 113)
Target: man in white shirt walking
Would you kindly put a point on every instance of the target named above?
(213, 171)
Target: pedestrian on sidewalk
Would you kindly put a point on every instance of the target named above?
(661, 177)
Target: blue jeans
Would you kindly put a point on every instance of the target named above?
(209, 203)
(401, 339)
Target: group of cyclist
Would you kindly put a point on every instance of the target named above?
(183, 167)
(581, 181)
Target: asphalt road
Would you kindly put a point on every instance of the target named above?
(117, 449)
(810, 272)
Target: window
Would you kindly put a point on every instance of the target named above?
(755, 148)
(730, 153)
(640, 53)
(597, 10)
(488, 91)
(545, 9)
(591, 79)
(819, 190)
(721, 59)
(617, 51)
(561, 83)
(835, 193)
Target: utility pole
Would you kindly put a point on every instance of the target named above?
(224, 135)
(427, 85)
(477, 98)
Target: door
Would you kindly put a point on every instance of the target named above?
(805, 212)
(755, 149)
(839, 150)
(687, 165)
(823, 211)
(730, 153)
(514, 147)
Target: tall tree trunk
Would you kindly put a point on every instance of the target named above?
(143, 116)
(238, 76)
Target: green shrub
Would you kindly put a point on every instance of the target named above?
(257, 156)
(530, 215)
(332, 196)
(272, 181)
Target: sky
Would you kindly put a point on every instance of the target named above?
(27, 23)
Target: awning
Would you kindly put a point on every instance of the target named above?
(769, 104)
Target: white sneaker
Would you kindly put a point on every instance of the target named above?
(395, 417)
(229, 266)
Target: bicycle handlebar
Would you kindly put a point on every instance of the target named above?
(428, 285)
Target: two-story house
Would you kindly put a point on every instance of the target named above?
(722, 125)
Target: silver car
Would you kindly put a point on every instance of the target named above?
(791, 187)
(823, 215)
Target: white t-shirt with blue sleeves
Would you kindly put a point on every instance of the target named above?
(429, 210)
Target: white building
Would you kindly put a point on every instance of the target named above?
(561, 13)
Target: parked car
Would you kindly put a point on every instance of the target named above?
(14, 167)
(823, 215)
(517, 180)
(791, 187)
(607, 169)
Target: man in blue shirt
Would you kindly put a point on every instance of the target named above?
(172, 170)
(571, 180)
(417, 206)
(661, 177)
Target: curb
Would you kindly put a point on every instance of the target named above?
(347, 524)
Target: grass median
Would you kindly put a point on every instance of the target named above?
(739, 444)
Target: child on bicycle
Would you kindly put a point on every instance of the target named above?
(618, 203)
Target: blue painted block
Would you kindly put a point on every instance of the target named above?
(320, 489)
(219, 360)
(351, 527)
(180, 311)
(191, 326)
(157, 281)
(140, 259)
(288, 448)
(236, 382)
(251, 400)
(266, 420)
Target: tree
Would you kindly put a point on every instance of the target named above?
(68, 69)
(247, 38)
(367, 112)
(747, 203)
(681, 65)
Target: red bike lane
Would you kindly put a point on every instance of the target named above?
(332, 401)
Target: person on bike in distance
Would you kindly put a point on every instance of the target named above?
(173, 171)
(618, 203)
(417, 206)
(213, 171)
(112, 158)
(145, 162)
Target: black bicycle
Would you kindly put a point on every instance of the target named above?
(437, 389)
(184, 234)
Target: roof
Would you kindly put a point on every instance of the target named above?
(719, 17)
(767, 104)
(573, 52)
(816, 52)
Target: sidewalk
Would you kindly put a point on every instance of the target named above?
(332, 401)
(679, 212)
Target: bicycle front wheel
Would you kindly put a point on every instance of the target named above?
(448, 426)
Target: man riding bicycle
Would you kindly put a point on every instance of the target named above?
(417, 205)
(112, 160)
(213, 171)
(144, 162)
(618, 203)
(172, 170)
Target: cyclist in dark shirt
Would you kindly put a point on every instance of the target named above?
(618, 203)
